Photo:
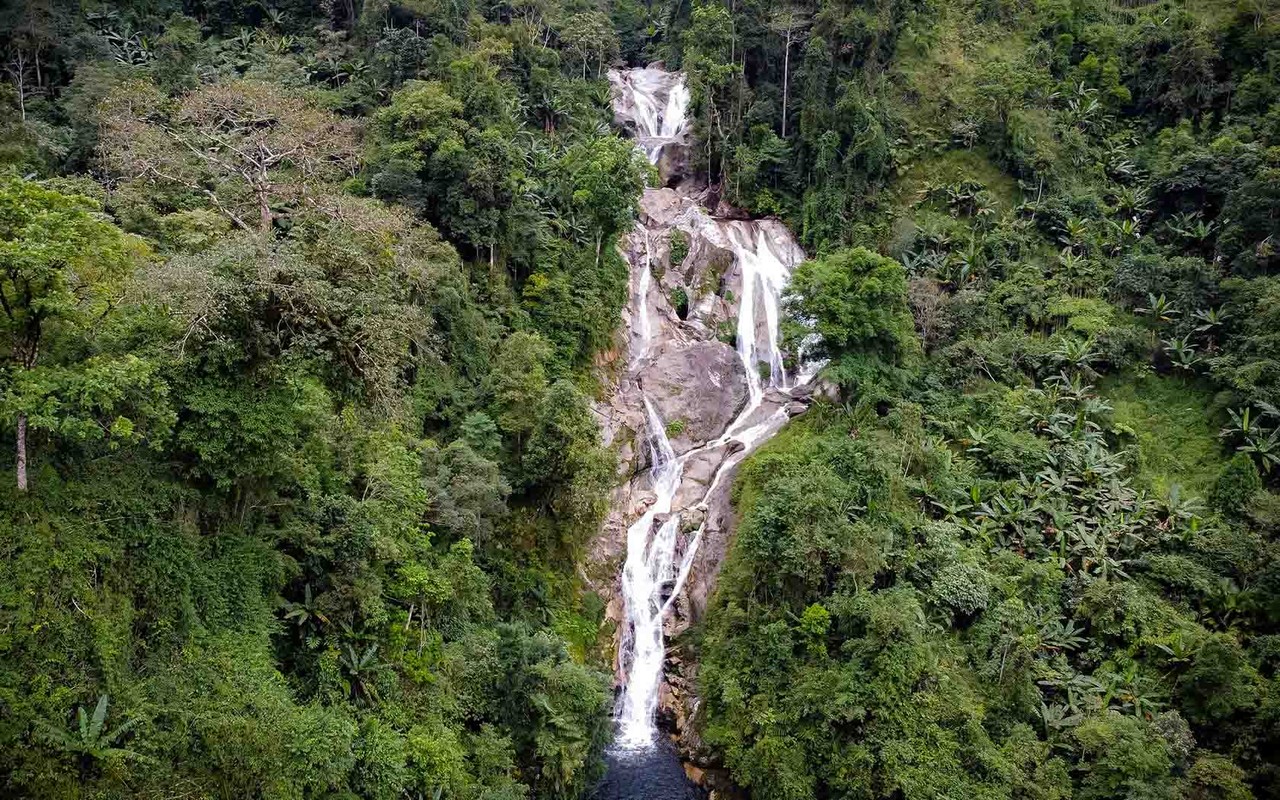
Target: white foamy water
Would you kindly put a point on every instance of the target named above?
(649, 565)
(764, 278)
(658, 101)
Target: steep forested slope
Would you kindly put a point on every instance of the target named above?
(1031, 552)
(297, 311)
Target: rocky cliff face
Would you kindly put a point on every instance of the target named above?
(700, 338)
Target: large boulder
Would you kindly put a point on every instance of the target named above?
(697, 390)
(673, 163)
(659, 208)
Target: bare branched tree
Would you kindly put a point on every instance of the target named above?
(246, 146)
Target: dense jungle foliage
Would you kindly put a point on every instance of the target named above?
(300, 306)
(297, 306)
(1034, 550)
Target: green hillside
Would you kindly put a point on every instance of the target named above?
(303, 307)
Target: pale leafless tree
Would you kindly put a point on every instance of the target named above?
(788, 22)
(244, 145)
(929, 303)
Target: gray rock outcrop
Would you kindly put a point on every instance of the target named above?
(698, 389)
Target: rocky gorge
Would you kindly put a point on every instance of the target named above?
(703, 381)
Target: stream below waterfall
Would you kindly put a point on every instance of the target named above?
(706, 383)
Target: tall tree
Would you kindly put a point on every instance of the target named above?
(587, 37)
(787, 22)
(63, 270)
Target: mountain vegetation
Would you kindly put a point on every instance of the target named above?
(1032, 550)
(303, 306)
(298, 305)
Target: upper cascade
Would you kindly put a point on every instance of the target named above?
(652, 104)
(707, 381)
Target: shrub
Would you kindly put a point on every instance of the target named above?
(1237, 483)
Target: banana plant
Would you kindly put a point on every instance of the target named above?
(1071, 264)
(305, 613)
(1121, 234)
(1255, 440)
(1060, 635)
(1210, 319)
(915, 263)
(1075, 234)
(1191, 227)
(1266, 449)
(1227, 600)
(951, 510)
(1132, 201)
(91, 740)
(1176, 509)
(1082, 692)
(1159, 309)
(977, 441)
(1077, 354)
(1244, 424)
(360, 672)
(1182, 353)
(1131, 691)
(1181, 649)
(1056, 717)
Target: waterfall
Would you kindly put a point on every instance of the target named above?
(658, 102)
(674, 116)
(661, 548)
(640, 300)
(764, 277)
(647, 569)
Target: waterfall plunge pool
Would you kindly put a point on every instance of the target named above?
(646, 773)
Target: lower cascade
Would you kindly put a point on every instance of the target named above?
(706, 382)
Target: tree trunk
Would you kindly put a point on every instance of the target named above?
(264, 213)
(733, 31)
(786, 75)
(22, 452)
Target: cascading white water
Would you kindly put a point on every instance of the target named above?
(659, 103)
(764, 278)
(643, 327)
(674, 117)
(655, 570)
(647, 569)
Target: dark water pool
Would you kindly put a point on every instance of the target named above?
(649, 774)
